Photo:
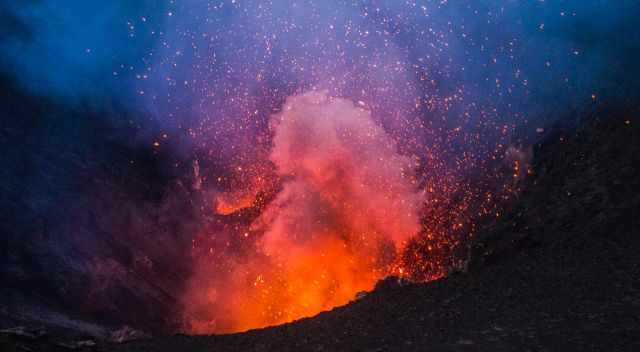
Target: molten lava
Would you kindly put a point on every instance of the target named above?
(340, 209)
(347, 205)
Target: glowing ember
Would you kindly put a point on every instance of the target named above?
(227, 204)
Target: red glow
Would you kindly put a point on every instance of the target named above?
(348, 212)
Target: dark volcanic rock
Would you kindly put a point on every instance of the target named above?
(390, 283)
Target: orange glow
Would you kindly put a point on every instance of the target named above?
(345, 208)
(306, 284)
(231, 203)
(348, 210)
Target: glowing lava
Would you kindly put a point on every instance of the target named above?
(347, 205)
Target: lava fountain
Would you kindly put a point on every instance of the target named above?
(347, 204)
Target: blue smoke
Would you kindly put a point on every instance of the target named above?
(74, 50)
(85, 50)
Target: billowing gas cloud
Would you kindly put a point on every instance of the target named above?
(347, 205)
(343, 175)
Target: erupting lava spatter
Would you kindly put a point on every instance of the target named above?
(347, 205)
(347, 210)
